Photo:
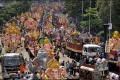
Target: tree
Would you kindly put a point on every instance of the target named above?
(92, 16)
(74, 9)
(104, 12)
(12, 8)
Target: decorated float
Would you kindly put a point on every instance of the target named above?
(30, 27)
(76, 41)
(113, 50)
(74, 44)
(45, 59)
(12, 37)
(93, 72)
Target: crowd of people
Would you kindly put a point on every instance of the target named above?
(31, 72)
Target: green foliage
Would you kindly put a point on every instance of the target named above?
(104, 12)
(95, 20)
(74, 9)
(13, 8)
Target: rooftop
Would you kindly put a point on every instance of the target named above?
(91, 45)
(12, 54)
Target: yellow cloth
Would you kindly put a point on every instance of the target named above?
(46, 41)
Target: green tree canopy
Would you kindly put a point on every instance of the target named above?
(92, 16)
(13, 8)
(104, 12)
(74, 9)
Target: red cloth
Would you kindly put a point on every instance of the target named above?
(22, 68)
(114, 53)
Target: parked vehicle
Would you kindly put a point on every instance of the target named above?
(10, 64)
(90, 50)
(76, 50)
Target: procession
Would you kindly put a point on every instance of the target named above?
(42, 44)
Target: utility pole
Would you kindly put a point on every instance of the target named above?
(106, 26)
(89, 16)
(82, 9)
(110, 22)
